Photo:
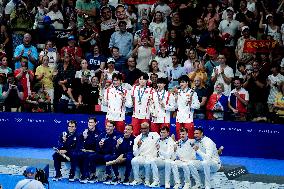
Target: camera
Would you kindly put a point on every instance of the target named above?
(40, 175)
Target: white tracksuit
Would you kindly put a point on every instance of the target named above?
(184, 154)
(209, 161)
(144, 153)
(159, 114)
(113, 101)
(185, 112)
(140, 100)
(165, 156)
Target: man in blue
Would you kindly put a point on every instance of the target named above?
(174, 72)
(28, 50)
(87, 145)
(124, 154)
(106, 151)
(66, 147)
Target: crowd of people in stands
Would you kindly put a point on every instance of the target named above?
(61, 55)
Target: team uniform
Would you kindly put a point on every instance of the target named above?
(183, 155)
(113, 99)
(208, 160)
(140, 100)
(161, 115)
(90, 143)
(145, 152)
(185, 111)
(69, 145)
(164, 158)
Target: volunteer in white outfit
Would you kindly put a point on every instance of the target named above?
(115, 98)
(208, 159)
(162, 103)
(186, 102)
(144, 149)
(184, 153)
(165, 149)
(140, 100)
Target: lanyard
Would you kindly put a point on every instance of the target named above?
(140, 96)
(119, 88)
(181, 142)
(159, 97)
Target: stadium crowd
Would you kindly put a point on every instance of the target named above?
(72, 56)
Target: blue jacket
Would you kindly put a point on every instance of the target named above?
(126, 147)
(90, 143)
(70, 143)
(110, 142)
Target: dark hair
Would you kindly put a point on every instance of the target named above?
(238, 78)
(129, 125)
(144, 75)
(184, 78)
(183, 129)
(240, 64)
(199, 129)
(275, 65)
(111, 122)
(72, 122)
(117, 76)
(150, 65)
(162, 80)
(92, 118)
(122, 22)
(114, 48)
(165, 128)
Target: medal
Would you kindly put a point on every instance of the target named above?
(140, 95)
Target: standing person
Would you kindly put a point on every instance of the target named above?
(238, 100)
(115, 100)
(165, 148)
(87, 146)
(132, 73)
(163, 102)
(174, 72)
(140, 100)
(29, 182)
(186, 102)
(144, 149)
(207, 157)
(65, 149)
(184, 153)
(85, 8)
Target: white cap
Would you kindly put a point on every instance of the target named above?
(268, 16)
(110, 60)
(231, 9)
(244, 27)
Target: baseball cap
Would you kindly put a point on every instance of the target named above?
(46, 19)
(211, 51)
(244, 28)
(269, 15)
(30, 170)
(230, 8)
(109, 60)
(71, 37)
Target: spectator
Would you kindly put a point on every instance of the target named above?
(163, 58)
(217, 104)
(210, 65)
(223, 74)
(130, 14)
(120, 60)
(69, 13)
(4, 69)
(162, 7)
(174, 42)
(210, 16)
(4, 37)
(38, 100)
(189, 39)
(109, 71)
(199, 72)
(27, 50)
(202, 97)
(273, 81)
(154, 69)
(47, 32)
(144, 32)
(159, 28)
(85, 8)
(88, 36)
(144, 54)
(25, 76)
(84, 73)
(238, 101)
(40, 12)
(270, 28)
(255, 84)
(75, 52)
(120, 14)
(12, 92)
(279, 103)
(154, 80)
(244, 15)
(51, 52)
(174, 72)
(177, 25)
(10, 7)
(55, 15)
(122, 39)
(2, 83)
(132, 73)
(96, 60)
(191, 57)
(44, 74)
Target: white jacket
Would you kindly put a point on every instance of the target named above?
(185, 111)
(207, 150)
(148, 147)
(166, 148)
(184, 151)
(140, 101)
(113, 100)
(159, 114)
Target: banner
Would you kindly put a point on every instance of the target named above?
(140, 1)
(246, 139)
(264, 46)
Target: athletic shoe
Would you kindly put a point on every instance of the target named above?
(177, 186)
(155, 184)
(57, 178)
(135, 182)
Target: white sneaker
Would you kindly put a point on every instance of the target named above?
(135, 182)
(147, 183)
(177, 186)
(197, 186)
(85, 181)
(167, 186)
(155, 184)
(186, 185)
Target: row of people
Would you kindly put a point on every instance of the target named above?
(149, 150)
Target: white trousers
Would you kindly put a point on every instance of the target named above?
(138, 161)
(157, 163)
(207, 167)
(178, 164)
